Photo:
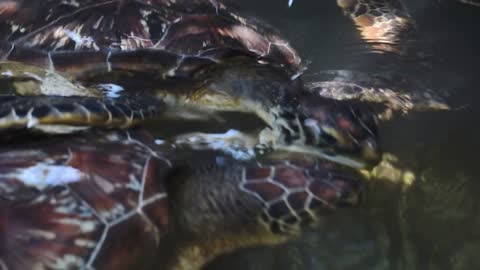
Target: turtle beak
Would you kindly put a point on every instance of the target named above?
(366, 149)
(338, 140)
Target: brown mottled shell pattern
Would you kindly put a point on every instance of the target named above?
(101, 200)
(129, 25)
(78, 203)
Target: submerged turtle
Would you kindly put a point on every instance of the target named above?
(113, 200)
(116, 200)
(201, 56)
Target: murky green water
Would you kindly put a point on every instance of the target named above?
(434, 223)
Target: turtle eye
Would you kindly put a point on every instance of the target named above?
(345, 124)
(321, 135)
(313, 131)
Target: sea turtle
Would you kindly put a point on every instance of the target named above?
(201, 56)
(113, 200)
(97, 210)
(117, 200)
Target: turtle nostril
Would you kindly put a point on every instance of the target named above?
(348, 199)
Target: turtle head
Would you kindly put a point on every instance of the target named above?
(340, 128)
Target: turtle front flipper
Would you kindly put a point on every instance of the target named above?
(221, 205)
(65, 114)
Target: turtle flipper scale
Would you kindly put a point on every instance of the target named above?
(69, 113)
(295, 195)
(221, 204)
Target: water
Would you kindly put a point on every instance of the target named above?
(432, 223)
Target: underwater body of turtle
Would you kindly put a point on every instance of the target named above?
(100, 190)
(226, 59)
(432, 222)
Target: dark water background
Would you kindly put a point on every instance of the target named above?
(433, 223)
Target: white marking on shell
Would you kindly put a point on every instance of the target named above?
(111, 89)
(290, 3)
(80, 40)
(134, 184)
(31, 121)
(97, 24)
(59, 129)
(14, 27)
(68, 261)
(68, 209)
(137, 166)
(43, 175)
(48, 235)
(85, 243)
(85, 226)
(104, 184)
(109, 65)
(39, 199)
(113, 213)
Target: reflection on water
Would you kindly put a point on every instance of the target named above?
(431, 223)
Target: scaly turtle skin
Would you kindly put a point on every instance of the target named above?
(202, 56)
(35, 98)
(115, 200)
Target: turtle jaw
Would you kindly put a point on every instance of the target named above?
(326, 154)
(339, 127)
(331, 141)
(322, 140)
